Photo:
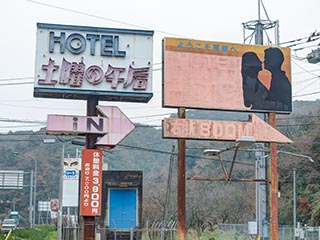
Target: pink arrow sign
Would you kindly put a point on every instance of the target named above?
(222, 130)
(113, 125)
(119, 126)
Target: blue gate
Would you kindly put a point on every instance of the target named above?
(122, 208)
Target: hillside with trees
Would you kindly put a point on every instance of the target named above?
(145, 149)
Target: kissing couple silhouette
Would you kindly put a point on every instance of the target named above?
(256, 95)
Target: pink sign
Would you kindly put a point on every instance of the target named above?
(76, 124)
(113, 125)
(222, 130)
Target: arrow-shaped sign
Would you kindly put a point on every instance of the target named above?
(119, 126)
(222, 130)
(113, 125)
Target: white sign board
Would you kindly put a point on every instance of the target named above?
(75, 62)
(71, 172)
(44, 206)
(11, 179)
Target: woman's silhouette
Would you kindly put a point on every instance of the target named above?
(254, 92)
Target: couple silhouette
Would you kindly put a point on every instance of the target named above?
(256, 95)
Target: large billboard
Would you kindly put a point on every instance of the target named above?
(226, 76)
(76, 62)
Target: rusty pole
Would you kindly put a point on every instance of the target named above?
(88, 224)
(273, 189)
(181, 182)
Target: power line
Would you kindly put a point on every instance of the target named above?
(21, 83)
(99, 17)
(15, 79)
(301, 117)
(170, 153)
(306, 94)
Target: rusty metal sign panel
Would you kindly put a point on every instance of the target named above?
(222, 130)
(75, 62)
(226, 76)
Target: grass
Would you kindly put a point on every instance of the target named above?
(43, 232)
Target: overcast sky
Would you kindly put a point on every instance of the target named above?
(201, 20)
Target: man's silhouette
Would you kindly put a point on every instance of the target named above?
(280, 88)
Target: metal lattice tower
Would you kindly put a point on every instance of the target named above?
(263, 31)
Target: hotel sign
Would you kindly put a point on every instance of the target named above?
(75, 62)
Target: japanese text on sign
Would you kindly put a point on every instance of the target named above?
(206, 46)
(74, 73)
(91, 183)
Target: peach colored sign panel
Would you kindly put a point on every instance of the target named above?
(226, 76)
(222, 130)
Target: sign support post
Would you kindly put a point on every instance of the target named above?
(181, 182)
(273, 189)
(88, 225)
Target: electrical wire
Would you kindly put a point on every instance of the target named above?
(11, 84)
(306, 94)
(309, 71)
(300, 117)
(15, 79)
(102, 18)
(304, 69)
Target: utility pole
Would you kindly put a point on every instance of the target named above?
(182, 182)
(30, 200)
(257, 29)
(88, 224)
(60, 211)
(294, 203)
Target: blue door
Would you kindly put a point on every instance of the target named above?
(123, 208)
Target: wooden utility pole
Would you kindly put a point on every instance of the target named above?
(181, 182)
(273, 189)
(88, 224)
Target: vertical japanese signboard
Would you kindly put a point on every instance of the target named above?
(91, 182)
(75, 62)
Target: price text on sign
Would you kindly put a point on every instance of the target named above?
(91, 182)
(222, 130)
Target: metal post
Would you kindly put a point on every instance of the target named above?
(131, 231)
(273, 192)
(88, 226)
(168, 192)
(30, 200)
(60, 211)
(294, 203)
(34, 192)
(260, 189)
(181, 182)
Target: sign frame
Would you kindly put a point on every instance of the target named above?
(210, 75)
(107, 50)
